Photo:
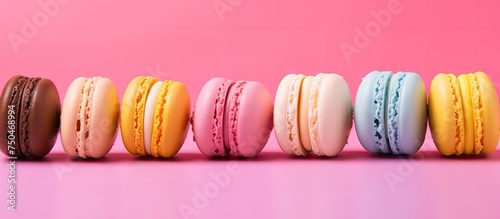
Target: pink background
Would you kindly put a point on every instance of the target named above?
(254, 40)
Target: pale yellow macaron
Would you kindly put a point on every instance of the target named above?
(464, 114)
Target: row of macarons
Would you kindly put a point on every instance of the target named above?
(310, 114)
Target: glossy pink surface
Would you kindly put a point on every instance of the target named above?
(193, 41)
(273, 185)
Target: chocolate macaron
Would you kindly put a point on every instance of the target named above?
(30, 112)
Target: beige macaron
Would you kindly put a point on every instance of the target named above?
(89, 118)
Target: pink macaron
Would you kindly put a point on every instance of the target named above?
(232, 118)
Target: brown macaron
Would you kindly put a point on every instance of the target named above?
(30, 112)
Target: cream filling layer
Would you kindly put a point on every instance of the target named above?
(149, 115)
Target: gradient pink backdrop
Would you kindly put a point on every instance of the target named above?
(254, 40)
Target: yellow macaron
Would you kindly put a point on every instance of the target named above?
(154, 117)
(464, 114)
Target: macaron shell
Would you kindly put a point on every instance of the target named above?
(132, 114)
(333, 105)
(254, 119)
(158, 118)
(364, 112)
(303, 113)
(380, 102)
(24, 116)
(85, 117)
(44, 118)
(392, 112)
(11, 95)
(70, 109)
(290, 114)
(280, 118)
(491, 113)
(441, 115)
(291, 100)
(412, 114)
(478, 114)
(468, 113)
(175, 120)
(231, 111)
(103, 118)
(209, 106)
(459, 115)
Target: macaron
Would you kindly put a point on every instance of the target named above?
(390, 112)
(232, 118)
(312, 114)
(89, 118)
(464, 115)
(30, 110)
(154, 117)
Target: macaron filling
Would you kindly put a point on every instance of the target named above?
(148, 115)
(305, 90)
(393, 113)
(465, 95)
(292, 120)
(458, 115)
(478, 114)
(218, 119)
(379, 102)
(234, 103)
(313, 114)
(27, 98)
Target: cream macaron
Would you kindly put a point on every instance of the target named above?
(312, 114)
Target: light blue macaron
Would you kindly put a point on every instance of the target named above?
(390, 112)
